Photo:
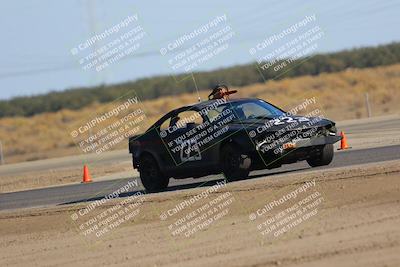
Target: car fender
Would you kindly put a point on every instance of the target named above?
(156, 156)
(240, 140)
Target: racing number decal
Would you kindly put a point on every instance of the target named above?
(284, 120)
(190, 151)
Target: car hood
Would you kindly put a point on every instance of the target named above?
(276, 123)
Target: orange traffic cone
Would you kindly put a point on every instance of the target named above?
(86, 175)
(343, 142)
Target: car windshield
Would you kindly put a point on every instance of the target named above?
(247, 110)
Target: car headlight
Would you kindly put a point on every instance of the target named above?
(332, 129)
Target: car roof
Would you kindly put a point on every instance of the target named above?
(198, 106)
(203, 104)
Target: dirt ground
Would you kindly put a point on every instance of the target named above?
(350, 217)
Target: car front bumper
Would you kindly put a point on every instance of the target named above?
(317, 141)
(298, 143)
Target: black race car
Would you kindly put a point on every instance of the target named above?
(229, 136)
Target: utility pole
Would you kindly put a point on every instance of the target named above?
(93, 28)
(1, 154)
(368, 105)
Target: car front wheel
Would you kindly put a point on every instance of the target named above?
(152, 178)
(324, 157)
(235, 166)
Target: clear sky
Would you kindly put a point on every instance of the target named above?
(37, 36)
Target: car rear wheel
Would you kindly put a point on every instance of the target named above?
(150, 175)
(324, 158)
(235, 166)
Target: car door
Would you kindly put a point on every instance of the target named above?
(181, 140)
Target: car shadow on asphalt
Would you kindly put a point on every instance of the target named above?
(179, 187)
(276, 173)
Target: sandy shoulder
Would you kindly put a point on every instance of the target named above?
(356, 225)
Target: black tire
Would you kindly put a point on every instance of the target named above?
(233, 164)
(324, 158)
(150, 175)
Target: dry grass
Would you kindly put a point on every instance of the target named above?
(339, 96)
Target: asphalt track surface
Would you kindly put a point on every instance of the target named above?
(76, 193)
